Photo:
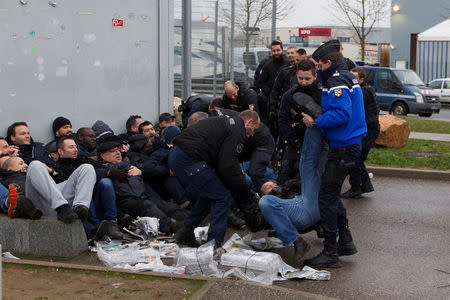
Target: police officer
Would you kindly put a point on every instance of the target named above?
(286, 79)
(359, 178)
(192, 105)
(343, 124)
(238, 97)
(291, 128)
(205, 159)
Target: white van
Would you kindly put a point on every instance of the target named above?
(441, 86)
(255, 56)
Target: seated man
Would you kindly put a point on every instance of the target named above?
(101, 128)
(132, 126)
(289, 216)
(205, 160)
(18, 135)
(159, 175)
(146, 128)
(166, 119)
(131, 193)
(61, 127)
(6, 149)
(12, 200)
(86, 142)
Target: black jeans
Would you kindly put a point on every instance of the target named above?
(358, 174)
(332, 211)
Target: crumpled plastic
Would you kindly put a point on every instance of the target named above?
(198, 261)
(263, 244)
(149, 225)
(201, 234)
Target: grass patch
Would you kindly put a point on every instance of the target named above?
(430, 126)
(396, 157)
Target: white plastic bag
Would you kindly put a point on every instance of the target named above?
(198, 261)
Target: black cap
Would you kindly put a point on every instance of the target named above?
(107, 142)
(165, 117)
(326, 48)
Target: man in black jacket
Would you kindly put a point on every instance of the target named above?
(291, 128)
(359, 178)
(268, 74)
(238, 97)
(205, 159)
(193, 104)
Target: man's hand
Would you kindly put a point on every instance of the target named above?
(267, 187)
(124, 148)
(13, 150)
(133, 171)
(171, 173)
(308, 120)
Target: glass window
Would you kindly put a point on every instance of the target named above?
(408, 77)
(436, 84)
(385, 79)
(370, 77)
(447, 84)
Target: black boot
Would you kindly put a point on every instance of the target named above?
(186, 236)
(235, 222)
(25, 209)
(354, 192)
(66, 214)
(125, 221)
(345, 243)
(367, 187)
(328, 258)
(300, 249)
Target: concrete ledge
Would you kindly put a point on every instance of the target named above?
(409, 173)
(45, 237)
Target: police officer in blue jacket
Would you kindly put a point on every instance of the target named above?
(344, 127)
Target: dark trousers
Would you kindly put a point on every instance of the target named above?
(103, 204)
(332, 211)
(289, 163)
(358, 174)
(202, 184)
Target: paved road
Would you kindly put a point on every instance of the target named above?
(443, 115)
(402, 234)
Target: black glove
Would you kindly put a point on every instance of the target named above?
(119, 175)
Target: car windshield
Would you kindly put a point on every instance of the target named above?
(408, 77)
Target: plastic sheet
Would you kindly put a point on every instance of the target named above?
(201, 234)
(264, 244)
(148, 225)
(198, 261)
(235, 241)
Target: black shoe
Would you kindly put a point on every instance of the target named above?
(319, 232)
(255, 221)
(367, 187)
(235, 222)
(186, 236)
(352, 193)
(25, 209)
(109, 228)
(328, 258)
(125, 221)
(176, 225)
(345, 243)
(82, 212)
(66, 214)
(300, 249)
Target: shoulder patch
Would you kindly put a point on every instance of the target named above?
(239, 148)
(232, 122)
(338, 92)
(336, 74)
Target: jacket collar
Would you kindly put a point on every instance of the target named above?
(328, 73)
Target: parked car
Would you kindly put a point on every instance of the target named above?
(441, 86)
(402, 92)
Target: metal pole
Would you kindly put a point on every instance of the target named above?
(232, 42)
(187, 48)
(216, 31)
(274, 19)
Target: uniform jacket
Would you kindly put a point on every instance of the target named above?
(342, 102)
(246, 97)
(285, 80)
(269, 72)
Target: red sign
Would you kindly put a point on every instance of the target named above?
(314, 32)
(117, 23)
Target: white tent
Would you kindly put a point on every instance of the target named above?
(439, 32)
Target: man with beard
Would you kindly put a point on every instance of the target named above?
(238, 97)
(291, 129)
(268, 74)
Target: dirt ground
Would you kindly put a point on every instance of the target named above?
(30, 282)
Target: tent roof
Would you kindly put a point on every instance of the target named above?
(439, 32)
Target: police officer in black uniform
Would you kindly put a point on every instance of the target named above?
(239, 97)
(205, 160)
(291, 128)
(359, 178)
(192, 105)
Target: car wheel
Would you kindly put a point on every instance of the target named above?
(399, 109)
(427, 115)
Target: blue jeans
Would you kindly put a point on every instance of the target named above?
(288, 216)
(204, 187)
(103, 206)
(3, 198)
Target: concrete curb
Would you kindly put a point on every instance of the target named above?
(199, 294)
(409, 173)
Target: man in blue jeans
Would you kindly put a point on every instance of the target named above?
(289, 216)
(343, 125)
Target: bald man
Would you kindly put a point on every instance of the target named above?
(238, 97)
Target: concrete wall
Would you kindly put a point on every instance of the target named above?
(415, 16)
(69, 60)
